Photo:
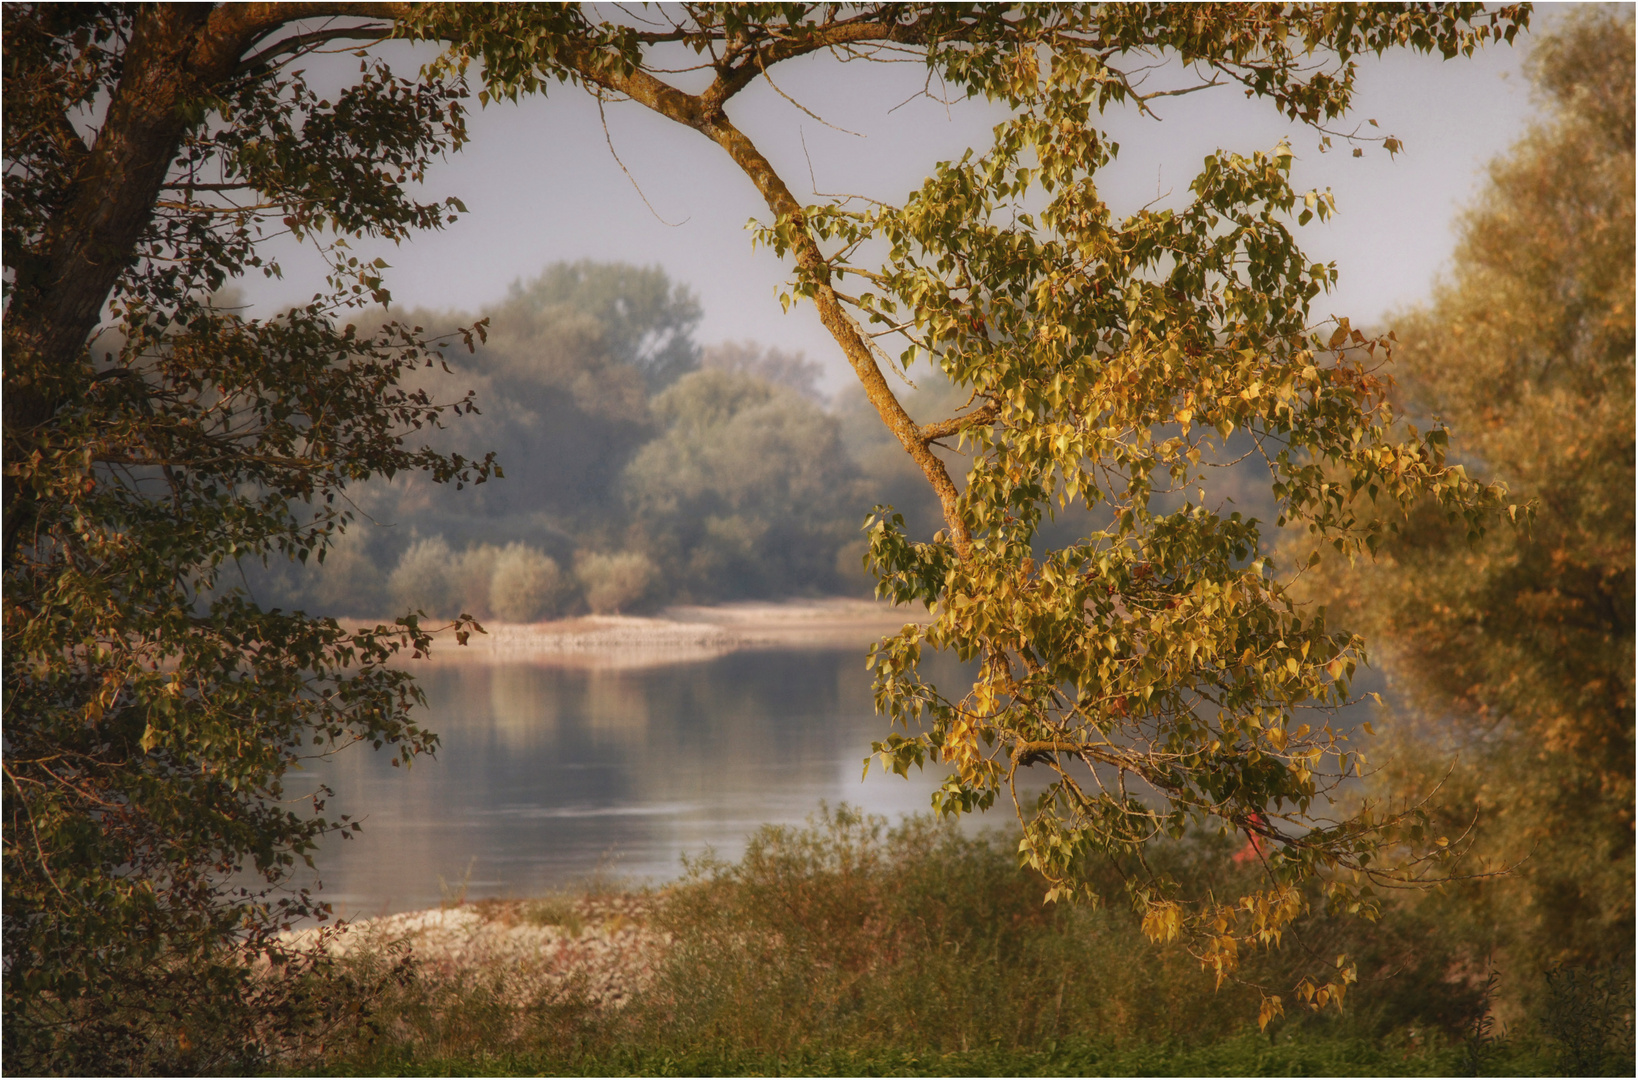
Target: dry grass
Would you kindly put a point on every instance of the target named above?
(849, 947)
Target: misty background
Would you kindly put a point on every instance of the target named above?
(667, 433)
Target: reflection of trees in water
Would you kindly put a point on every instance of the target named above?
(522, 706)
(611, 702)
(546, 770)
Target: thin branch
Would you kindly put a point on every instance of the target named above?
(943, 429)
(1178, 93)
(193, 186)
(298, 44)
(799, 105)
(616, 155)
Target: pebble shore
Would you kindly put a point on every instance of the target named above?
(599, 949)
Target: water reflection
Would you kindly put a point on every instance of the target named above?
(548, 774)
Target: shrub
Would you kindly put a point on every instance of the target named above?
(614, 582)
(850, 933)
(348, 581)
(525, 585)
(471, 580)
(422, 578)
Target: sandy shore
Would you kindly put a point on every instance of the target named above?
(678, 634)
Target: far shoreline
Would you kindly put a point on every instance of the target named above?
(678, 634)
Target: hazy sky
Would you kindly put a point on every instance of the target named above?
(541, 184)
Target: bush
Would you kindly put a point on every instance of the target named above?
(614, 582)
(224, 1012)
(850, 933)
(432, 578)
(1588, 1017)
(422, 578)
(851, 948)
(472, 574)
(348, 581)
(525, 585)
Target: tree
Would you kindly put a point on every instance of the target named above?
(647, 322)
(1517, 651)
(793, 371)
(153, 438)
(747, 493)
(1160, 669)
(569, 362)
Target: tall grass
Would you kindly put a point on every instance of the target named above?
(852, 947)
(848, 933)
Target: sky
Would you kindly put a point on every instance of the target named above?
(541, 184)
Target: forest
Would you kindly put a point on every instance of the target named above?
(640, 468)
(1160, 511)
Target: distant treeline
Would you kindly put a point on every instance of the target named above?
(639, 469)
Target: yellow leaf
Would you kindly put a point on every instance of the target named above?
(1163, 922)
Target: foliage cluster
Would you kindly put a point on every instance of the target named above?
(152, 438)
(1157, 665)
(1512, 656)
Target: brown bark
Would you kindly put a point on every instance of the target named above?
(92, 240)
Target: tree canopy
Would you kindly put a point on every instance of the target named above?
(1517, 651)
(729, 482)
(1159, 666)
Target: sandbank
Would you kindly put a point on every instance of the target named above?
(678, 634)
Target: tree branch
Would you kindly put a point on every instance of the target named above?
(302, 42)
(695, 112)
(982, 416)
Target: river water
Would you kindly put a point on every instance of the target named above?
(550, 775)
(554, 772)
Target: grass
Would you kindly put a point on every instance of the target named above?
(560, 910)
(848, 948)
(1248, 1054)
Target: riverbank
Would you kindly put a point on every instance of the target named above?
(854, 948)
(677, 634)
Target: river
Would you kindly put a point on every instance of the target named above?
(659, 739)
(551, 775)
